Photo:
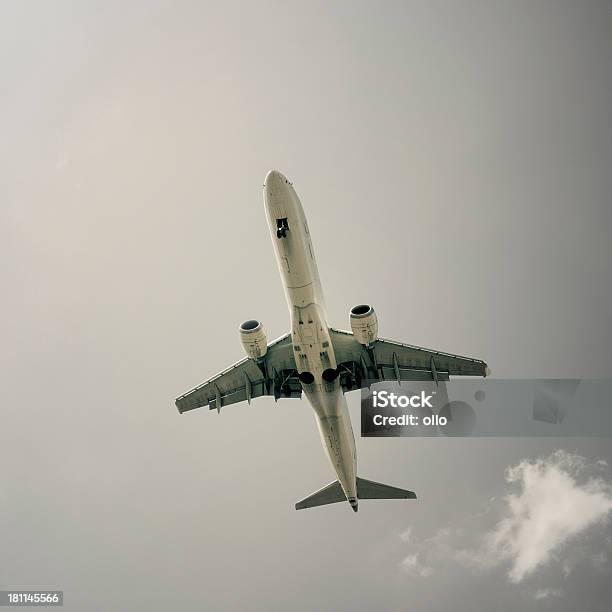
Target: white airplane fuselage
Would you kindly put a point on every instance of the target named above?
(312, 346)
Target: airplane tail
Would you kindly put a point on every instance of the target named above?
(366, 489)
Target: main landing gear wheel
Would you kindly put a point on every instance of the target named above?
(281, 228)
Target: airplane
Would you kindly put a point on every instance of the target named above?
(318, 360)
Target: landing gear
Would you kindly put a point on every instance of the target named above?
(282, 227)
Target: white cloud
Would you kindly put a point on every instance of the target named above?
(405, 535)
(548, 593)
(550, 508)
(551, 503)
(414, 567)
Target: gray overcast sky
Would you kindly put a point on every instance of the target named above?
(454, 163)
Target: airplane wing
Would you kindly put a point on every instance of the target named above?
(275, 375)
(389, 360)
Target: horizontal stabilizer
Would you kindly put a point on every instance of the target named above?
(330, 494)
(368, 489)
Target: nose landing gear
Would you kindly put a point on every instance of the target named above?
(281, 228)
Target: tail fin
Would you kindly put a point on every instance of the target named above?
(366, 489)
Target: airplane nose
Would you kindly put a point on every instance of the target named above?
(275, 179)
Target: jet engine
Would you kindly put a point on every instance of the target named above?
(253, 338)
(364, 324)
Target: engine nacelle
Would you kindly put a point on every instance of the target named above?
(254, 339)
(364, 324)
